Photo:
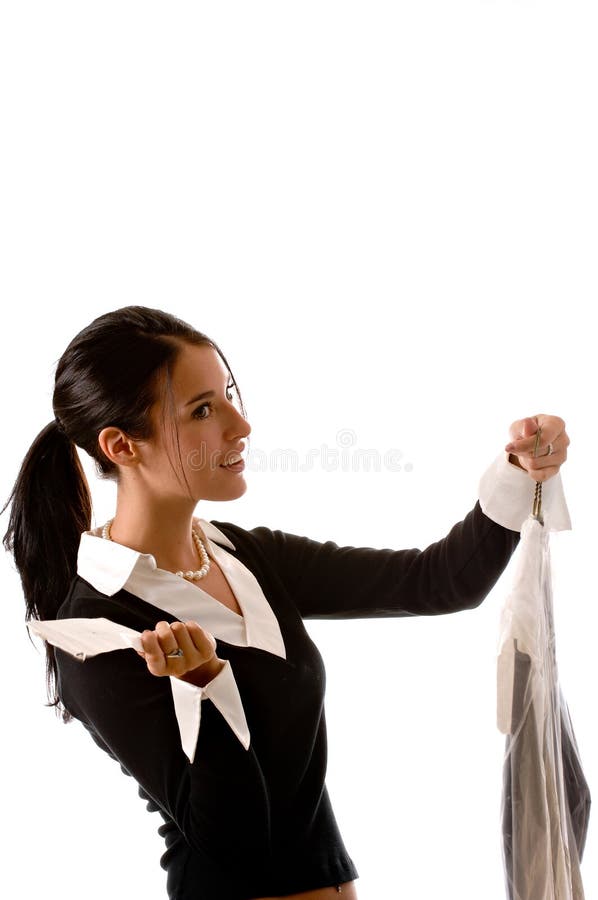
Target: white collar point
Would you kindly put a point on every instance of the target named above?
(214, 534)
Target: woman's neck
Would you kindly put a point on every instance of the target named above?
(164, 533)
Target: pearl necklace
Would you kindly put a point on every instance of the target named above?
(205, 560)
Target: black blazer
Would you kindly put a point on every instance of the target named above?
(237, 823)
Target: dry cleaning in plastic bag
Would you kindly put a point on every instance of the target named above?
(546, 801)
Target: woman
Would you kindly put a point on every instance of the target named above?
(220, 717)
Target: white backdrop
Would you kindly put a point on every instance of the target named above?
(385, 214)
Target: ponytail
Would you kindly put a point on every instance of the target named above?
(109, 375)
(51, 507)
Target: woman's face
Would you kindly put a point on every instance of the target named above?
(211, 429)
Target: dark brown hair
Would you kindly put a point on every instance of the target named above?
(111, 373)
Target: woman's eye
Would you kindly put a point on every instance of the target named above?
(196, 412)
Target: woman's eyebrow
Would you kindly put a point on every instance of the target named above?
(205, 394)
(200, 397)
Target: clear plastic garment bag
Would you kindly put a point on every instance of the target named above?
(545, 801)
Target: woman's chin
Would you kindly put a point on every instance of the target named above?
(236, 488)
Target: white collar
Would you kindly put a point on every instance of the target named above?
(110, 564)
(110, 567)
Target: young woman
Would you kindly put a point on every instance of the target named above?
(220, 718)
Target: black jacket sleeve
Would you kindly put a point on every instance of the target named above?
(130, 714)
(455, 573)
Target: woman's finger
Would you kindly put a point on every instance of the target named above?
(192, 655)
(154, 653)
(541, 468)
(202, 640)
(166, 637)
(523, 434)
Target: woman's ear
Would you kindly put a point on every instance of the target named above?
(119, 448)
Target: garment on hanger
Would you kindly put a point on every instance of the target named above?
(546, 800)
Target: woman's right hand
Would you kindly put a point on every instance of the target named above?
(198, 664)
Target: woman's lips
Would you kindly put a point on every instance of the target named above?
(235, 467)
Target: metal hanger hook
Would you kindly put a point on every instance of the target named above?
(537, 504)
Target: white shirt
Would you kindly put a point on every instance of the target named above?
(505, 494)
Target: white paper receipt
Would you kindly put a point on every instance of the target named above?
(86, 637)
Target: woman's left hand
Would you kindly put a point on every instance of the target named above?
(523, 438)
(198, 664)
